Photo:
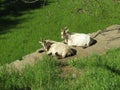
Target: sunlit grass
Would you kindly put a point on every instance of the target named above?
(47, 22)
(97, 73)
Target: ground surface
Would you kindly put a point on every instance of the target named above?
(107, 39)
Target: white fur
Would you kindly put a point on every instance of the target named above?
(58, 48)
(76, 39)
(79, 40)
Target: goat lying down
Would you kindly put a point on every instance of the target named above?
(58, 49)
(76, 39)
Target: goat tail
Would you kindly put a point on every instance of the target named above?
(102, 31)
(96, 34)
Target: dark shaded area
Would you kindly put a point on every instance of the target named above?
(13, 87)
(113, 70)
(109, 68)
(72, 53)
(94, 41)
(10, 10)
(41, 50)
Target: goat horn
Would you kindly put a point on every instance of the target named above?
(41, 39)
(65, 27)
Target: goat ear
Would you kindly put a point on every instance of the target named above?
(67, 31)
(41, 40)
(65, 28)
(44, 41)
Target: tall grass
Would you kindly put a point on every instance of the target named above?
(40, 77)
(97, 73)
(22, 37)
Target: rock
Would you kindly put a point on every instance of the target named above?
(113, 27)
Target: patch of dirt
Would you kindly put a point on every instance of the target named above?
(106, 39)
(116, 0)
(70, 72)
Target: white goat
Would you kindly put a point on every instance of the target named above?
(58, 49)
(76, 39)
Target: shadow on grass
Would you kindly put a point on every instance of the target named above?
(109, 68)
(10, 10)
(113, 70)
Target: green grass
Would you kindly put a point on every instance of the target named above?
(22, 34)
(97, 73)
(38, 77)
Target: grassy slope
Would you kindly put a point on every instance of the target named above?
(46, 22)
(97, 73)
